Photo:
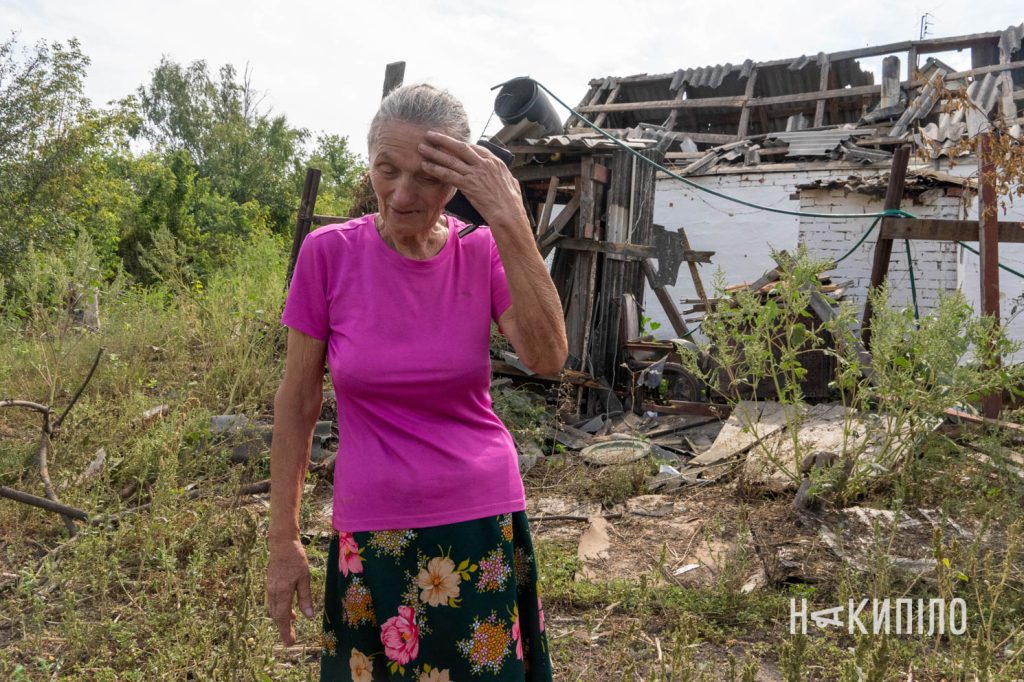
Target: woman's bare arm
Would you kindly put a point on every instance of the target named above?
(296, 408)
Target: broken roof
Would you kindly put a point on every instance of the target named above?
(821, 106)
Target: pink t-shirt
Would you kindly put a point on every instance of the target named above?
(408, 351)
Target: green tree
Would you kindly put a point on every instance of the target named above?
(244, 153)
(45, 124)
(340, 169)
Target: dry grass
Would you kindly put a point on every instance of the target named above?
(175, 592)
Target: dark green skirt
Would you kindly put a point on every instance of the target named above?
(443, 604)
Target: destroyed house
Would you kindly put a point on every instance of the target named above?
(810, 134)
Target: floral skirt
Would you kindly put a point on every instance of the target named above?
(448, 603)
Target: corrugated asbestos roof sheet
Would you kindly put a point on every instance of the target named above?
(922, 104)
(1010, 41)
(709, 76)
(816, 143)
(917, 179)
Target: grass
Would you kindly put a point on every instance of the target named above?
(176, 591)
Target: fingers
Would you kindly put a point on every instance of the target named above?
(444, 162)
(468, 153)
(279, 608)
(442, 158)
(305, 597)
(444, 174)
(286, 631)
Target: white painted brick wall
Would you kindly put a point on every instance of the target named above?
(935, 263)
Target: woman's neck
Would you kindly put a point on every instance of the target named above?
(415, 245)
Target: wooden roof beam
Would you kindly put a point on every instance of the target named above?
(929, 46)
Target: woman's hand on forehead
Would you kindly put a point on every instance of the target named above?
(480, 175)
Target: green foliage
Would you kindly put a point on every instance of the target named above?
(191, 163)
(51, 142)
(916, 369)
(246, 155)
(341, 171)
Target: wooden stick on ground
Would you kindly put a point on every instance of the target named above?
(43, 503)
(49, 431)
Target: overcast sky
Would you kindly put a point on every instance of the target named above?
(322, 63)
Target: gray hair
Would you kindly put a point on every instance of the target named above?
(421, 105)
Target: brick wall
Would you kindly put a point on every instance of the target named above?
(935, 263)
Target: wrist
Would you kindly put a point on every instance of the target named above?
(282, 536)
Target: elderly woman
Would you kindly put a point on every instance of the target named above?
(431, 575)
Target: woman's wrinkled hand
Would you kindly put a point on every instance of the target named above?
(480, 175)
(287, 577)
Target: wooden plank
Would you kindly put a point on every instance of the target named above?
(819, 108)
(708, 138)
(981, 70)
(690, 408)
(883, 246)
(528, 173)
(988, 242)
(698, 285)
(549, 203)
(969, 418)
(590, 207)
(581, 295)
(321, 220)
(667, 304)
(738, 102)
(631, 251)
(750, 423)
(548, 239)
(948, 230)
(394, 75)
(612, 96)
(667, 104)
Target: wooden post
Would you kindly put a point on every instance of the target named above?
(883, 246)
(305, 219)
(698, 285)
(671, 312)
(394, 76)
(988, 246)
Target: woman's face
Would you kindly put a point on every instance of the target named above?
(409, 199)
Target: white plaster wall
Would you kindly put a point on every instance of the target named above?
(741, 237)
